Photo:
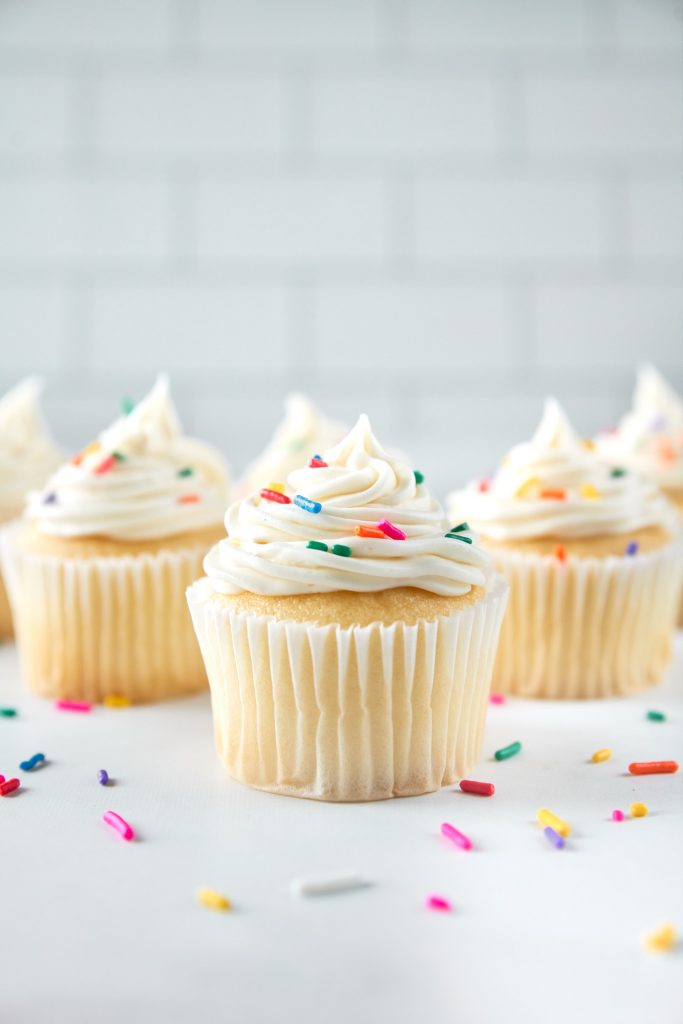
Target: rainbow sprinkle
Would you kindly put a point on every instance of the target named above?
(270, 494)
(8, 712)
(618, 471)
(186, 471)
(317, 545)
(561, 553)
(439, 903)
(369, 531)
(589, 492)
(105, 466)
(419, 477)
(189, 499)
(632, 548)
(509, 751)
(652, 716)
(307, 504)
(127, 405)
(341, 549)
(391, 531)
(553, 494)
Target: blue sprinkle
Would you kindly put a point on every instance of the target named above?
(33, 762)
(307, 503)
(554, 837)
(102, 777)
(632, 548)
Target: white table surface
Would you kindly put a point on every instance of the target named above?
(97, 930)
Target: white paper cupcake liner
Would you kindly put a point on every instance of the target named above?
(88, 628)
(587, 627)
(362, 713)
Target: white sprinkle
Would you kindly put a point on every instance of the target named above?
(320, 885)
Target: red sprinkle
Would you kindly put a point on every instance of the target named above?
(484, 486)
(275, 496)
(480, 788)
(9, 786)
(554, 493)
(369, 531)
(188, 499)
(561, 553)
(106, 465)
(653, 767)
(316, 463)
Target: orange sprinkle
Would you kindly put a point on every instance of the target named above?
(666, 451)
(369, 531)
(561, 553)
(556, 493)
(188, 499)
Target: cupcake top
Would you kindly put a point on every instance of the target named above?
(555, 486)
(649, 438)
(27, 452)
(303, 430)
(141, 479)
(355, 519)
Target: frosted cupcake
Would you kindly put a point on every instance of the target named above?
(303, 430)
(593, 564)
(97, 570)
(27, 457)
(348, 634)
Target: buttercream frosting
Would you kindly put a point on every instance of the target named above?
(555, 485)
(27, 452)
(267, 548)
(649, 438)
(141, 479)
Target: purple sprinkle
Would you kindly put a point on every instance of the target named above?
(102, 777)
(554, 837)
(632, 548)
(50, 498)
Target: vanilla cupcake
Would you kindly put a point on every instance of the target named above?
(593, 563)
(348, 635)
(98, 567)
(303, 430)
(27, 457)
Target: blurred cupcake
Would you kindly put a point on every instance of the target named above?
(27, 457)
(593, 563)
(303, 431)
(98, 567)
(348, 635)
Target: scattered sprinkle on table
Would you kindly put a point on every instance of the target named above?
(118, 825)
(213, 900)
(479, 788)
(322, 885)
(638, 810)
(8, 712)
(553, 837)
(601, 755)
(653, 767)
(32, 762)
(617, 815)
(103, 777)
(455, 836)
(656, 716)
(496, 698)
(73, 705)
(9, 786)
(116, 700)
(547, 817)
(661, 940)
(439, 903)
(509, 751)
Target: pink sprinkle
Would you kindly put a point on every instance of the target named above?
(483, 486)
(391, 531)
(617, 815)
(73, 705)
(118, 824)
(455, 836)
(437, 903)
(496, 698)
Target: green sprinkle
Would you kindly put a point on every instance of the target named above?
(459, 536)
(341, 549)
(509, 751)
(118, 456)
(186, 471)
(127, 405)
(617, 471)
(459, 528)
(656, 716)
(419, 477)
(317, 545)
(8, 712)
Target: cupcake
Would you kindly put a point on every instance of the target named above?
(593, 562)
(98, 566)
(649, 438)
(303, 430)
(348, 634)
(27, 457)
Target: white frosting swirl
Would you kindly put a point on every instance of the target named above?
(141, 479)
(649, 438)
(555, 486)
(266, 551)
(304, 432)
(27, 453)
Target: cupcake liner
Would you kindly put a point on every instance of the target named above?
(6, 625)
(362, 713)
(88, 628)
(587, 627)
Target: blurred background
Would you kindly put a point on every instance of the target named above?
(432, 210)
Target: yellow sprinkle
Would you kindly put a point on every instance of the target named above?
(213, 900)
(588, 444)
(638, 810)
(547, 817)
(528, 487)
(661, 940)
(589, 492)
(602, 755)
(116, 700)
(280, 488)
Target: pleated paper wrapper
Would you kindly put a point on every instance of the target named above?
(6, 627)
(361, 713)
(587, 627)
(90, 628)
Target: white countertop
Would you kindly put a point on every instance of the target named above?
(97, 930)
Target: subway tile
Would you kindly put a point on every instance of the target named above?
(641, 24)
(300, 25)
(656, 217)
(496, 25)
(32, 320)
(34, 114)
(83, 26)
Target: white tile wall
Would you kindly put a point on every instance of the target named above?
(437, 210)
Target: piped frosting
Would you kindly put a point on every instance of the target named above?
(27, 452)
